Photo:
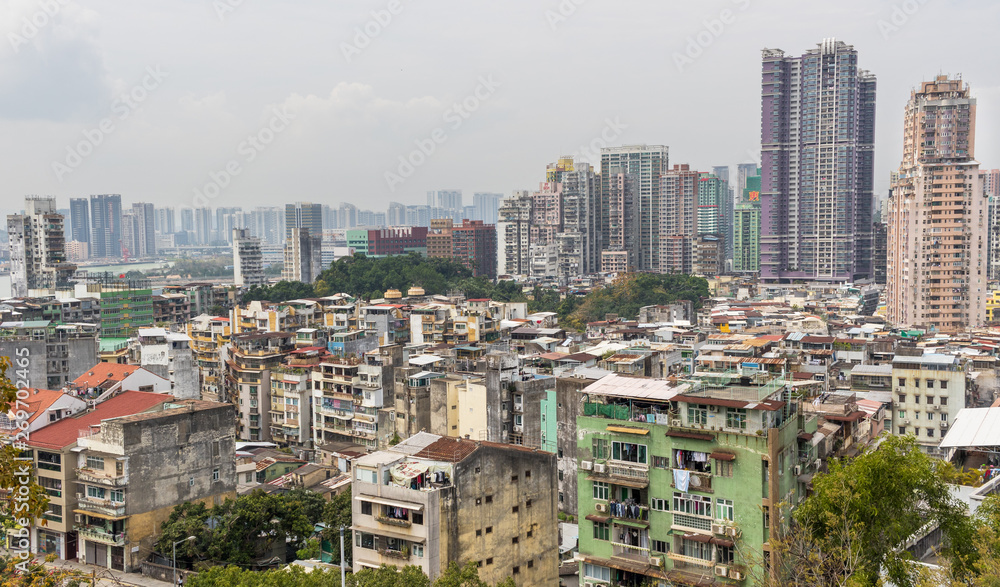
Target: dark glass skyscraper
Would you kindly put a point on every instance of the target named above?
(79, 218)
(106, 226)
(817, 152)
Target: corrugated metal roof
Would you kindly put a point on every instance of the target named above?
(636, 387)
(974, 427)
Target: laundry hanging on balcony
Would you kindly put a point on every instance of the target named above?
(681, 479)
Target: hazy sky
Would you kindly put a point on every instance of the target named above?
(156, 99)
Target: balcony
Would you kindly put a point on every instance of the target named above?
(699, 482)
(690, 560)
(104, 507)
(99, 534)
(403, 554)
(393, 521)
(629, 551)
(91, 476)
(628, 474)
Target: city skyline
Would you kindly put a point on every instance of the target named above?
(188, 126)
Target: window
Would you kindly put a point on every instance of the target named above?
(560, 453)
(599, 448)
(930, 384)
(366, 508)
(724, 555)
(560, 497)
(95, 463)
(600, 490)
(693, 504)
(527, 503)
(661, 462)
(902, 414)
(723, 468)
(531, 564)
(364, 540)
(529, 533)
(944, 400)
(697, 414)
(527, 474)
(660, 505)
(479, 533)
(418, 550)
(514, 540)
(930, 433)
(902, 398)
(95, 492)
(560, 475)
(901, 381)
(489, 529)
(513, 478)
(489, 561)
(902, 430)
(944, 417)
(248, 478)
(601, 531)
(516, 570)
(660, 546)
(628, 451)
(736, 418)
(916, 383)
(489, 499)
(767, 517)
(916, 399)
(515, 509)
(944, 384)
(215, 474)
(596, 572)
(724, 509)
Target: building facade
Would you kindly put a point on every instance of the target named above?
(938, 256)
(37, 248)
(817, 162)
(248, 266)
(645, 163)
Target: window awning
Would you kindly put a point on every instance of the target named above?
(722, 542)
(691, 435)
(723, 456)
(627, 430)
(390, 503)
(596, 518)
(698, 538)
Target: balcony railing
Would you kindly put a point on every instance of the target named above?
(692, 522)
(91, 476)
(403, 554)
(691, 560)
(393, 521)
(630, 472)
(101, 506)
(699, 482)
(98, 534)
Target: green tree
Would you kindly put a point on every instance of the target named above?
(25, 500)
(883, 497)
(337, 513)
(293, 576)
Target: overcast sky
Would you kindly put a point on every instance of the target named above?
(332, 110)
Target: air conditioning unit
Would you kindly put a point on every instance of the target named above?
(733, 532)
(944, 423)
(588, 585)
(721, 571)
(906, 422)
(718, 529)
(936, 407)
(735, 574)
(79, 496)
(77, 518)
(654, 561)
(586, 465)
(798, 469)
(675, 422)
(713, 408)
(818, 464)
(602, 507)
(600, 468)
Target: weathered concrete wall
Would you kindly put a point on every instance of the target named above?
(513, 487)
(567, 408)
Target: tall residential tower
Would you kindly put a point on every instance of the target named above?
(937, 243)
(817, 152)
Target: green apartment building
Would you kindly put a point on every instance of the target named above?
(746, 228)
(679, 484)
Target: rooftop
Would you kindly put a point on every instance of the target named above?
(65, 432)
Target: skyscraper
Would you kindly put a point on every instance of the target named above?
(37, 248)
(187, 219)
(106, 226)
(248, 268)
(620, 216)
(79, 217)
(513, 231)
(817, 143)
(474, 245)
(486, 205)
(746, 227)
(678, 218)
(165, 220)
(303, 256)
(744, 171)
(937, 242)
(145, 238)
(306, 215)
(645, 164)
(203, 226)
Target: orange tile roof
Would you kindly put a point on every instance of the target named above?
(39, 400)
(65, 432)
(104, 371)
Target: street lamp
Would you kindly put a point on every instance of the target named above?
(175, 555)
